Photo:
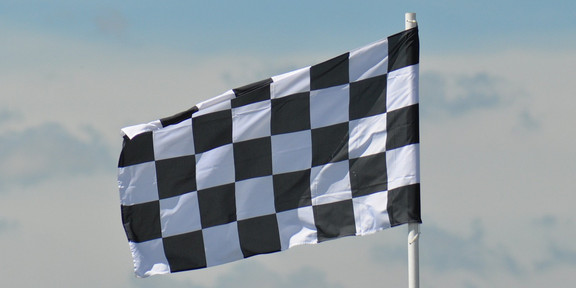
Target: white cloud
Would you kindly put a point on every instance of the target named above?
(68, 234)
(445, 252)
(7, 116)
(7, 225)
(49, 152)
(457, 95)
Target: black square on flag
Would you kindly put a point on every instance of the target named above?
(334, 220)
(290, 113)
(292, 190)
(368, 174)
(330, 73)
(217, 205)
(142, 221)
(330, 144)
(259, 235)
(253, 158)
(368, 97)
(402, 127)
(176, 176)
(185, 251)
(137, 150)
(212, 130)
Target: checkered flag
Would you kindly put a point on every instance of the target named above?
(319, 153)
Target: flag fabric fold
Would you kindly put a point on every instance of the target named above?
(319, 153)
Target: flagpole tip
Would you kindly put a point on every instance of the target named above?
(410, 20)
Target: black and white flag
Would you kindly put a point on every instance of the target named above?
(322, 152)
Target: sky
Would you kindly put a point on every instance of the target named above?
(497, 141)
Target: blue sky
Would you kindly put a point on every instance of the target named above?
(497, 95)
(263, 26)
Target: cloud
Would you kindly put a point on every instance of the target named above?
(524, 253)
(48, 150)
(557, 251)
(449, 95)
(456, 95)
(446, 252)
(7, 116)
(558, 256)
(305, 277)
(160, 282)
(528, 120)
(247, 275)
(7, 225)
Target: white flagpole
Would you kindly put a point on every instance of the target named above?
(413, 228)
(413, 255)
